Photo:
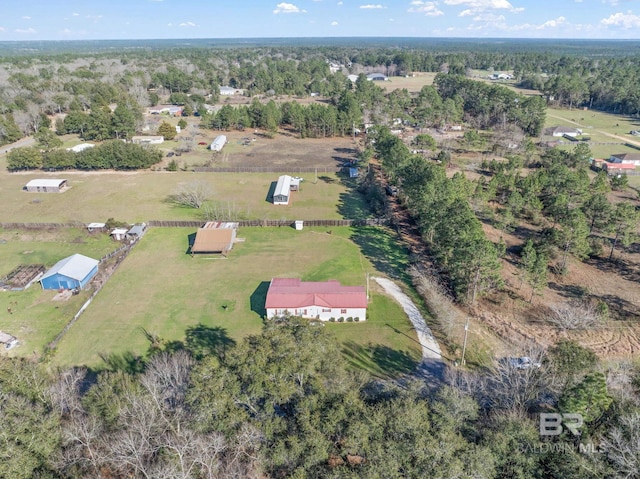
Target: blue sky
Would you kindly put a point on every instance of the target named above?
(143, 19)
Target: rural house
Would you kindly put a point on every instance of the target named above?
(148, 140)
(70, 273)
(315, 300)
(218, 143)
(626, 158)
(172, 110)
(283, 190)
(560, 131)
(215, 237)
(47, 186)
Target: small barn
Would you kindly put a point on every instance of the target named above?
(218, 143)
(137, 231)
(215, 237)
(47, 185)
(72, 272)
(282, 192)
(119, 233)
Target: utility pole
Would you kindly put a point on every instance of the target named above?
(464, 343)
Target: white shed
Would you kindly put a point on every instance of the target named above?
(283, 191)
(218, 143)
(47, 185)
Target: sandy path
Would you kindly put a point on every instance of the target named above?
(432, 365)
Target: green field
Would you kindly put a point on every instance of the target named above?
(144, 195)
(162, 290)
(35, 318)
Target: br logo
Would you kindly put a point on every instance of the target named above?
(551, 424)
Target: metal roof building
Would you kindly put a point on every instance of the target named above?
(218, 143)
(283, 190)
(46, 185)
(215, 237)
(315, 299)
(72, 272)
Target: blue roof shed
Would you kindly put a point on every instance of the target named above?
(69, 273)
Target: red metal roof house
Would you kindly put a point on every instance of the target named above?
(315, 300)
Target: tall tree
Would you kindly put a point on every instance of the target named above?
(623, 225)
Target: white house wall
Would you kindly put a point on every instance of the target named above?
(317, 312)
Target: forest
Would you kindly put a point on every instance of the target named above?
(210, 408)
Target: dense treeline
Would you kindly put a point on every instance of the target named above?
(30, 86)
(113, 154)
(440, 207)
(282, 404)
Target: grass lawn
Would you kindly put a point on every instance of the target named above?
(143, 196)
(167, 292)
(35, 318)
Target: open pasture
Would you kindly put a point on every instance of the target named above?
(413, 84)
(166, 292)
(144, 195)
(32, 315)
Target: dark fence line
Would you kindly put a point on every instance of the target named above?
(41, 226)
(269, 169)
(274, 223)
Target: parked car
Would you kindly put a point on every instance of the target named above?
(391, 190)
(202, 143)
(634, 132)
(523, 362)
(170, 154)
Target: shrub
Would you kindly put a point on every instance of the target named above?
(349, 319)
(356, 319)
(341, 319)
(332, 320)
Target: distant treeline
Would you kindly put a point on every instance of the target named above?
(599, 75)
(114, 154)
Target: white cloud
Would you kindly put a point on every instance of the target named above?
(74, 14)
(489, 18)
(371, 7)
(623, 20)
(169, 24)
(187, 24)
(288, 8)
(430, 9)
(66, 31)
(334, 24)
(29, 31)
(552, 23)
(481, 4)
(1, 29)
(94, 17)
(339, 3)
(26, 17)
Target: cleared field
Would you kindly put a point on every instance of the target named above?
(600, 128)
(413, 84)
(169, 293)
(144, 195)
(35, 319)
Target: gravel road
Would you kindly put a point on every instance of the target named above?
(432, 366)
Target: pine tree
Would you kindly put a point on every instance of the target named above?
(167, 130)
